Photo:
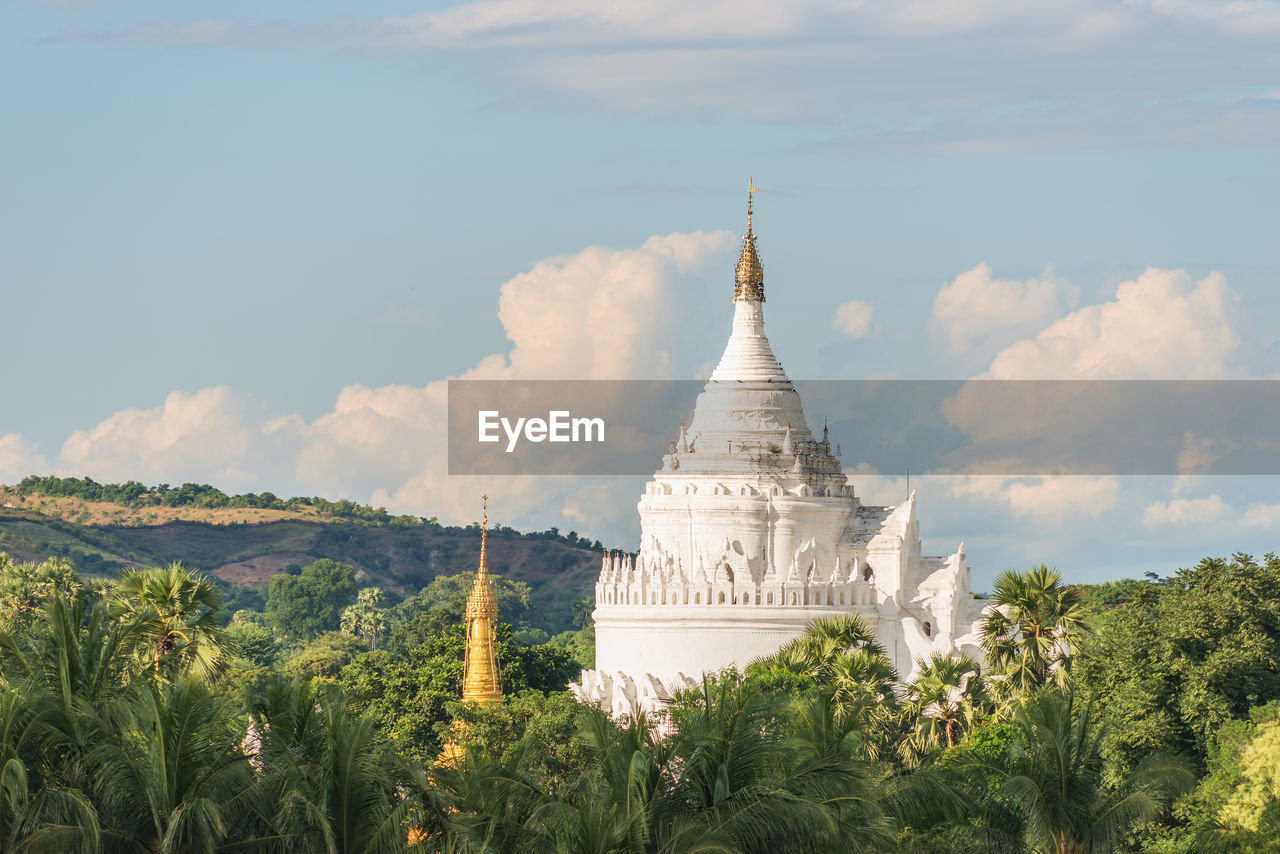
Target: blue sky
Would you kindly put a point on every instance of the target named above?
(218, 217)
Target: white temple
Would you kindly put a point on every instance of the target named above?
(750, 531)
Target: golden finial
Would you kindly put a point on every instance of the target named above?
(481, 604)
(749, 277)
(484, 532)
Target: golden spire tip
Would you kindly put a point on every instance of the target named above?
(749, 275)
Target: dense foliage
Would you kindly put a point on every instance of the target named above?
(139, 715)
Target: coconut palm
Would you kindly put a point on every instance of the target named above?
(71, 665)
(944, 701)
(1033, 630)
(172, 615)
(1053, 776)
(744, 778)
(171, 777)
(329, 784)
(37, 815)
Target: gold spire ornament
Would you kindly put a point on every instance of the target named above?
(749, 277)
(481, 681)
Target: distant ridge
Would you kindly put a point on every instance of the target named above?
(245, 540)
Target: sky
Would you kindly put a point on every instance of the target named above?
(246, 243)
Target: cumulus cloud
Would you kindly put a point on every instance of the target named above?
(976, 311)
(18, 458)
(1043, 497)
(1183, 512)
(604, 313)
(982, 75)
(853, 318)
(1261, 515)
(208, 435)
(1194, 514)
(1161, 325)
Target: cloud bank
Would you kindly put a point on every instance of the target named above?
(964, 77)
(605, 313)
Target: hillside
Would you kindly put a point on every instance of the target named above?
(247, 546)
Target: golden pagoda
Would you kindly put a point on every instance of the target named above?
(481, 680)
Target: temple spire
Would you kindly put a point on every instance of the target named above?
(481, 681)
(749, 276)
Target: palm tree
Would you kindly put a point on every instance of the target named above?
(946, 699)
(172, 614)
(43, 817)
(1053, 777)
(366, 618)
(843, 658)
(171, 777)
(746, 779)
(329, 784)
(1033, 631)
(25, 588)
(479, 804)
(71, 666)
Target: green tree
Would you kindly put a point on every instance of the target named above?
(329, 783)
(304, 605)
(1053, 776)
(1034, 629)
(534, 732)
(366, 618)
(841, 658)
(71, 664)
(36, 815)
(1175, 661)
(171, 777)
(945, 700)
(582, 643)
(252, 640)
(25, 588)
(325, 656)
(172, 615)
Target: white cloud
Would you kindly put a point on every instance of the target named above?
(1160, 326)
(1044, 497)
(208, 435)
(18, 458)
(1195, 514)
(969, 76)
(1261, 516)
(976, 311)
(853, 318)
(605, 313)
(1185, 512)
